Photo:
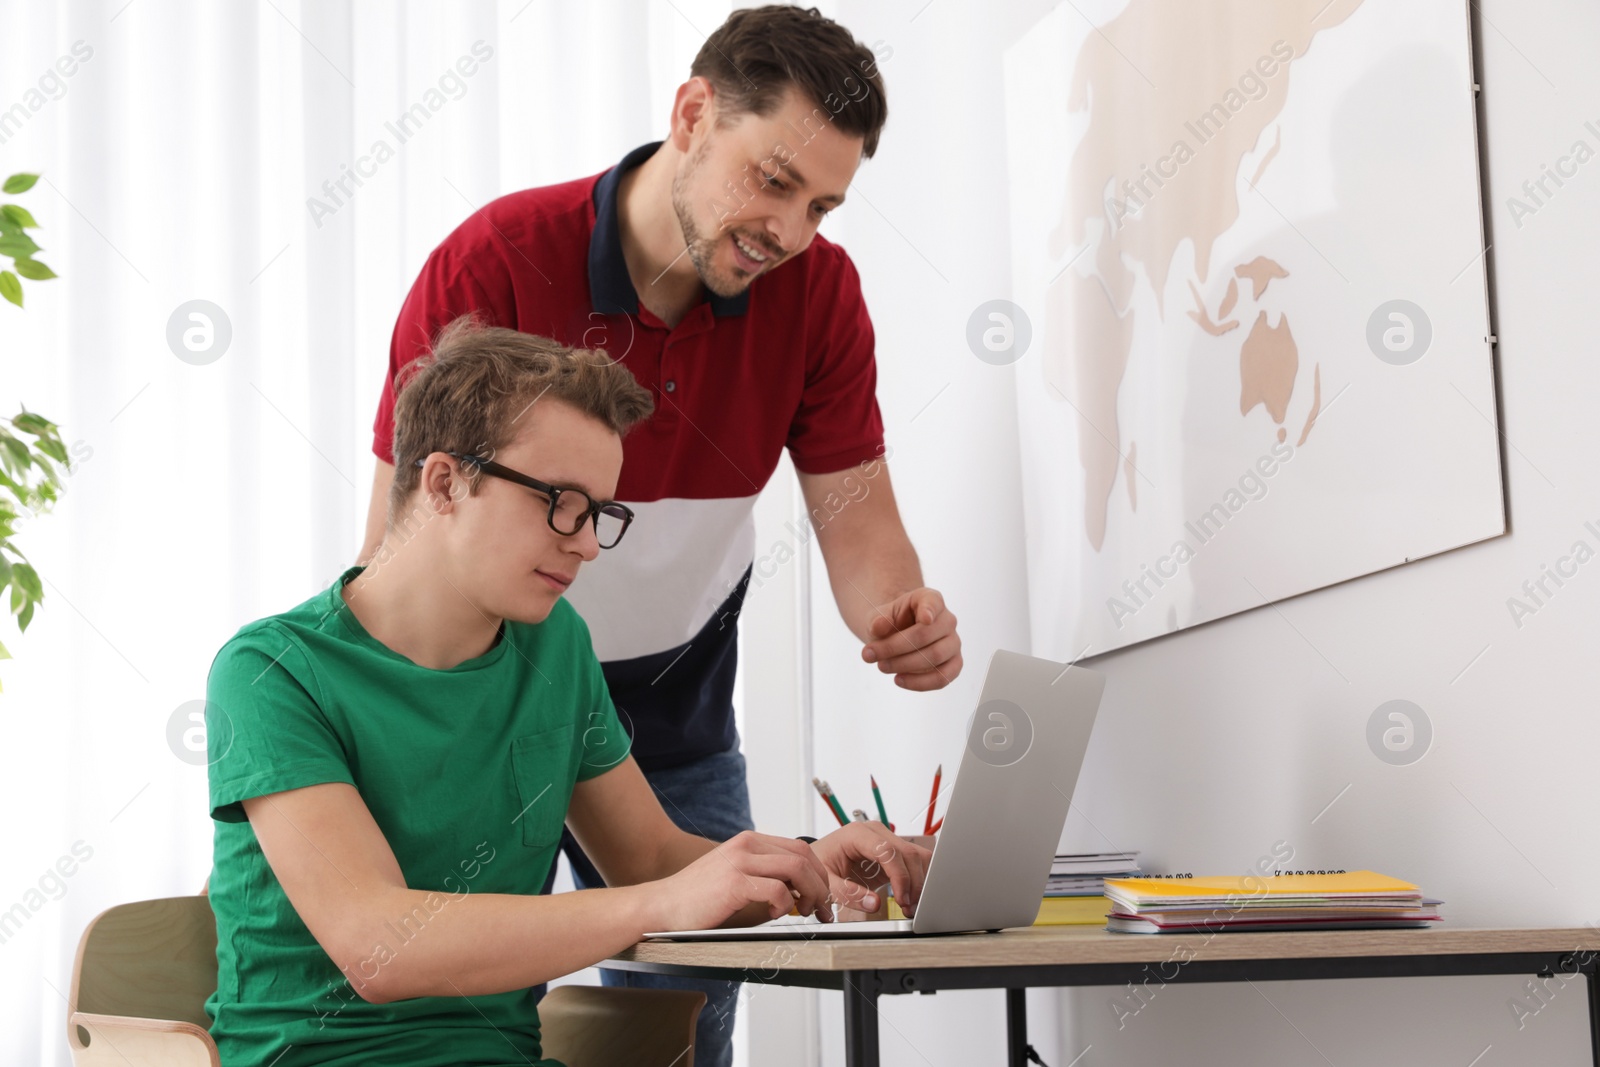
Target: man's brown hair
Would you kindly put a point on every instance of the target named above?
(759, 53)
(469, 393)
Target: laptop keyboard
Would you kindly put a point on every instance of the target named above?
(860, 926)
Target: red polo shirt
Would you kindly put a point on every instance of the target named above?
(787, 364)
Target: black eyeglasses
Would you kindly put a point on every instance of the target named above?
(569, 508)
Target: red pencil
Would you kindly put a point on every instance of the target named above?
(927, 824)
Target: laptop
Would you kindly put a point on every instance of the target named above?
(1003, 822)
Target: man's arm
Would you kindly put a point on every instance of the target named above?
(377, 510)
(876, 578)
(342, 877)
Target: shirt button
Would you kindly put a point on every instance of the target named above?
(672, 386)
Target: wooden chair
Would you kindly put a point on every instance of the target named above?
(144, 970)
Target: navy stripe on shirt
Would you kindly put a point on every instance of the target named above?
(678, 704)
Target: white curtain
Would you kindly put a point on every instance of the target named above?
(178, 159)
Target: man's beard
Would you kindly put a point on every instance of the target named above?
(702, 249)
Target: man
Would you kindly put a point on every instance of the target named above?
(392, 761)
(696, 262)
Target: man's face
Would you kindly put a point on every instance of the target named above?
(505, 558)
(751, 194)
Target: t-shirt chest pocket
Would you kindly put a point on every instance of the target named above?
(542, 766)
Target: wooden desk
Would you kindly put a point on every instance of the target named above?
(1015, 960)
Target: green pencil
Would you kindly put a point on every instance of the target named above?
(831, 800)
(838, 809)
(882, 815)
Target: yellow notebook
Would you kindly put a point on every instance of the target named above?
(1351, 883)
(1073, 911)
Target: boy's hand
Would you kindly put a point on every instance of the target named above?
(752, 868)
(863, 857)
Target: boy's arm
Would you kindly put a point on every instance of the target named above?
(339, 872)
(623, 830)
(626, 834)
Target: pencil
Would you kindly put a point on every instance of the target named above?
(927, 824)
(858, 815)
(878, 796)
(831, 800)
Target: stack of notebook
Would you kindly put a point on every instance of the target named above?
(1083, 874)
(1074, 894)
(1350, 900)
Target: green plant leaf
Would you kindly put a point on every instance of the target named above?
(55, 450)
(20, 183)
(18, 597)
(17, 245)
(19, 215)
(32, 422)
(10, 287)
(25, 616)
(28, 578)
(18, 451)
(34, 270)
(5, 653)
(14, 462)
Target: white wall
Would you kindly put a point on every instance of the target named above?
(1215, 743)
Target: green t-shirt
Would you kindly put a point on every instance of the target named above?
(468, 773)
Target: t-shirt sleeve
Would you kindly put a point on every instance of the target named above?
(601, 739)
(838, 424)
(266, 731)
(444, 290)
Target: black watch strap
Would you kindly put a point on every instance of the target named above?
(807, 840)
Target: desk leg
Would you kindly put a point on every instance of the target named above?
(861, 1018)
(1593, 975)
(1016, 1028)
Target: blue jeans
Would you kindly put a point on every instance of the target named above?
(709, 797)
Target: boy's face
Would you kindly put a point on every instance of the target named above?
(505, 558)
(751, 195)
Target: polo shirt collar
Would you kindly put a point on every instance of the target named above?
(610, 289)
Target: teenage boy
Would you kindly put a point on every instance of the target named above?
(696, 262)
(394, 759)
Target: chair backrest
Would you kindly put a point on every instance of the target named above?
(152, 959)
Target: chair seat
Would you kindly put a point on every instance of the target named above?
(596, 1026)
(120, 1041)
